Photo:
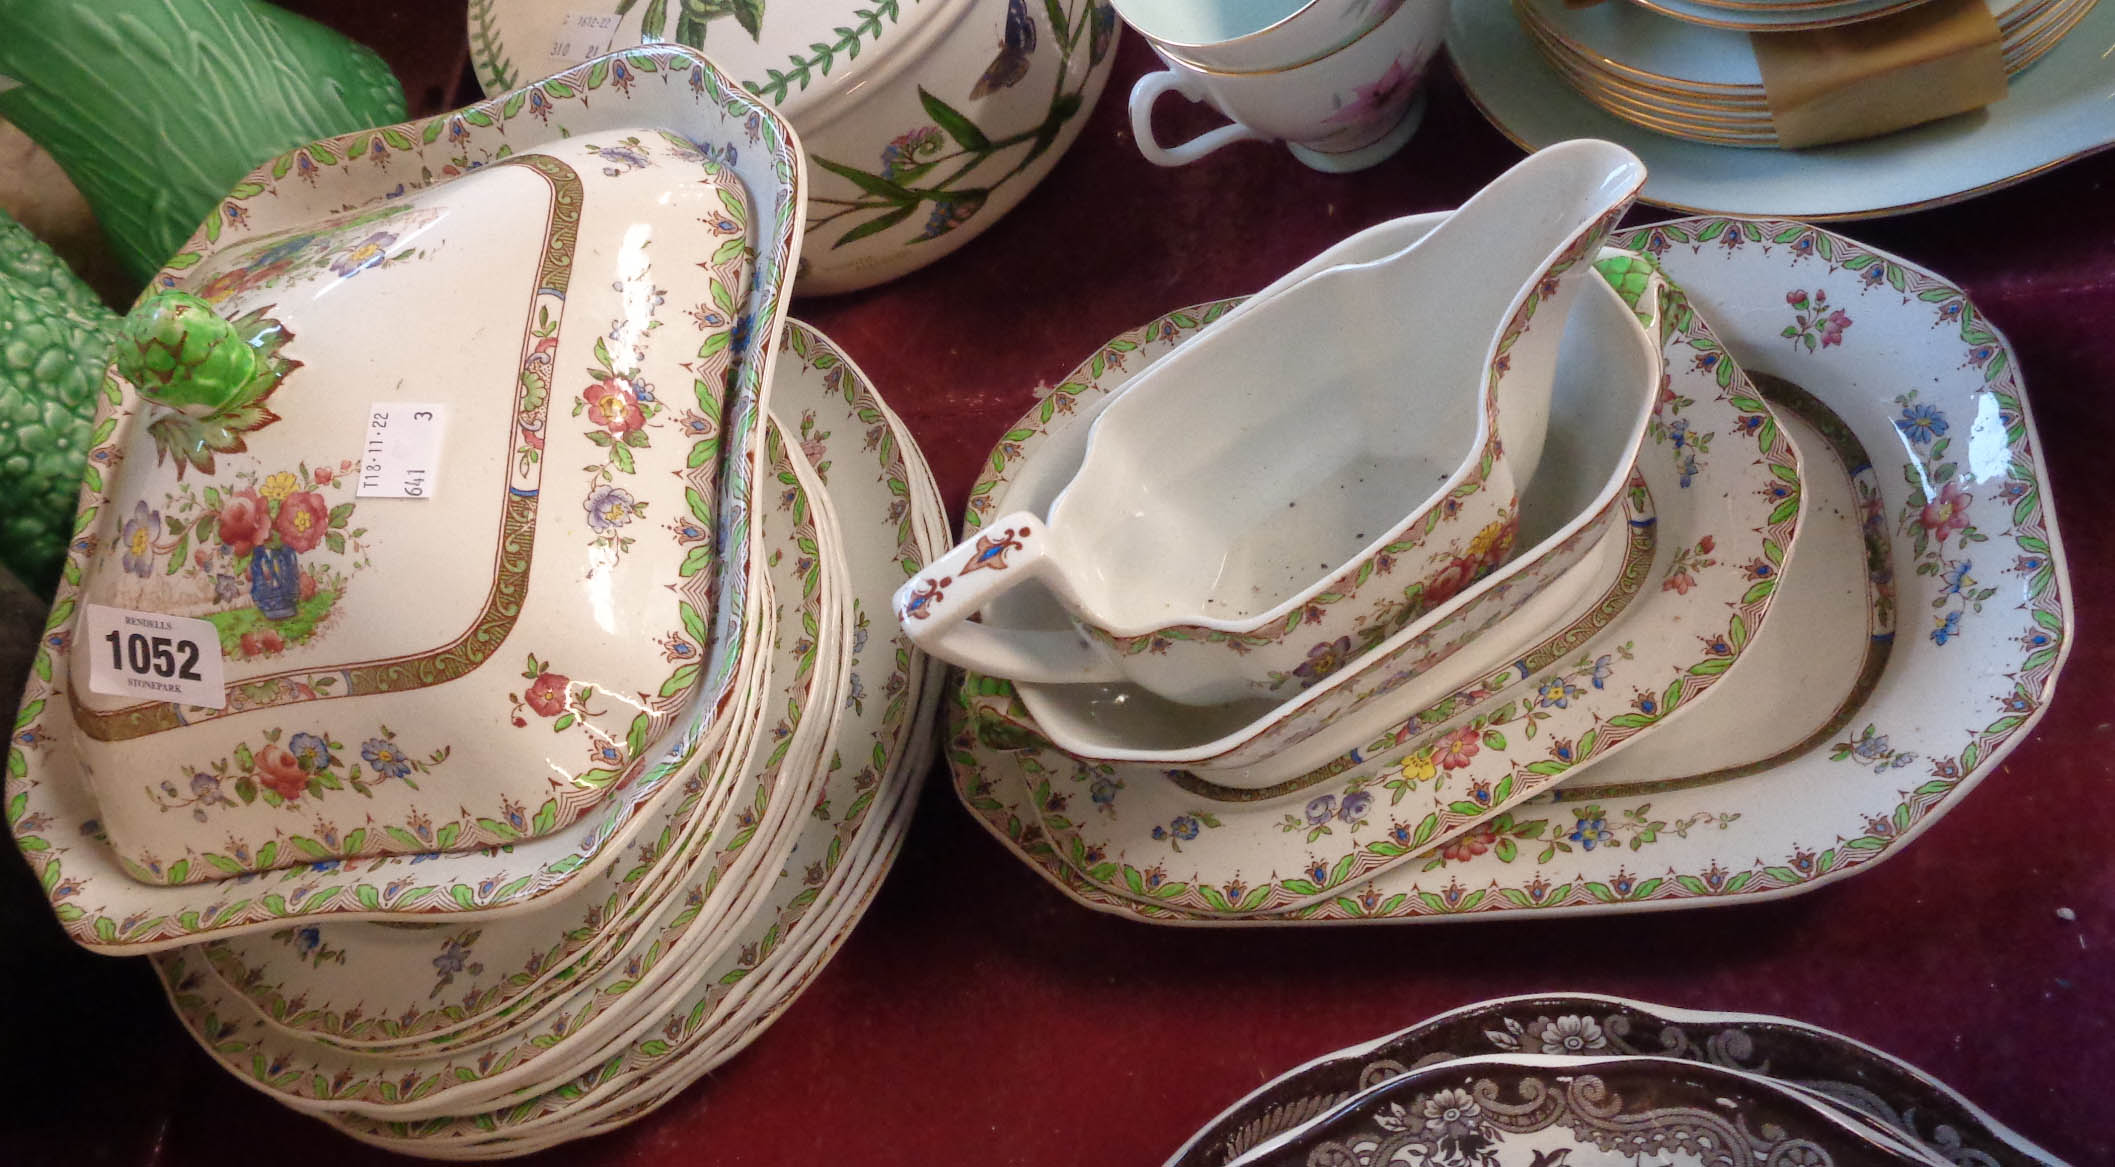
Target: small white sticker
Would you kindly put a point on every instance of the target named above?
(402, 451)
(581, 35)
(154, 657)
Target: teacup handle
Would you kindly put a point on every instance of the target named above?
(936, 605)
(1148, 90)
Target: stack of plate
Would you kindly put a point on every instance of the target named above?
(490, 1037)
(1590, 1080)
(482, 985)
(1839, 579)
(1656, 67)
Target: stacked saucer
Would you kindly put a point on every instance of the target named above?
(422, 628)
(1606, 1080)
(1787, 516)
(1656, 67)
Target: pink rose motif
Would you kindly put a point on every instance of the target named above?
(280, 770)
(1832, 327)
(612, 406)
(303, 519)
(547, 695)
(1947, 513)
(245, 522)
(322, 475)
(1447, 582)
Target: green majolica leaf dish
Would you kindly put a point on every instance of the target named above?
(156, 107)
(55, 339)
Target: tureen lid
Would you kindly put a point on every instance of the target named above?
(430, 482)
(807, 57)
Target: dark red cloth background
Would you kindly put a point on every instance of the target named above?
(978, 1017)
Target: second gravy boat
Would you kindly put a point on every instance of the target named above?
(1310, 475)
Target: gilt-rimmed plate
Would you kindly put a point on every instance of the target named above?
(599, 1009)
(1851, 1074)
(1910, 722)
(2054, 113)
(1721, 477)
(889, 514)
(54, 821)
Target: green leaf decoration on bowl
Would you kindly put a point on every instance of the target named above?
(211, 375)
(155, 108)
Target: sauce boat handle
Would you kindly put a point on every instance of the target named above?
(935, 607)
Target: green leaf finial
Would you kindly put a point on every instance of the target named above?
(180, 353)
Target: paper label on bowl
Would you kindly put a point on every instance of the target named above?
(154, 657)
(402, 455)
(582, 35)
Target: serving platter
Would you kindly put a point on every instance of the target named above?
(1957, 688)
(1720, 475)
(2055, 112)
(1851, 1074)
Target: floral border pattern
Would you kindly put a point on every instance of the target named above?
(102, 909)
(2031, 677)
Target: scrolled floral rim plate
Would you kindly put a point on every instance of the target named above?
(1721, 474)
(1850, 1073)
(1585, 1112)
(1988, 663)
(54, 822)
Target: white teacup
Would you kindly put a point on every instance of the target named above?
(1255, 503)
(1247, 36)
(1345, 110)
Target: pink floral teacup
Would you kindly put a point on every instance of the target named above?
(1343, 111)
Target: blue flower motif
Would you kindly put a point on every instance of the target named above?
(311, 751)
(1955, 578)
(1321, 810)
(1922, 423)
(1591, 832)
(307, 939)
(1183, 827)
(1948, 627)
(1355, 807)
(1603, 666)
(385, 757)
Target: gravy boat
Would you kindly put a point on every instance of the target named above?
(1309, 475)
(1576, 522)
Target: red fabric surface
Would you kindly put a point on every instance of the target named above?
(977, 1016)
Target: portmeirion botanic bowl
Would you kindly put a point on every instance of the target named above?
(1310, 476)
(552, 608)
(924, 121)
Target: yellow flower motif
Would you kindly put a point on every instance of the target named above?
(1417, 767)
(279, 485)
(1485, 539)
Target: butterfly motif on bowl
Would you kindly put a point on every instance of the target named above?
(1015, 52)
